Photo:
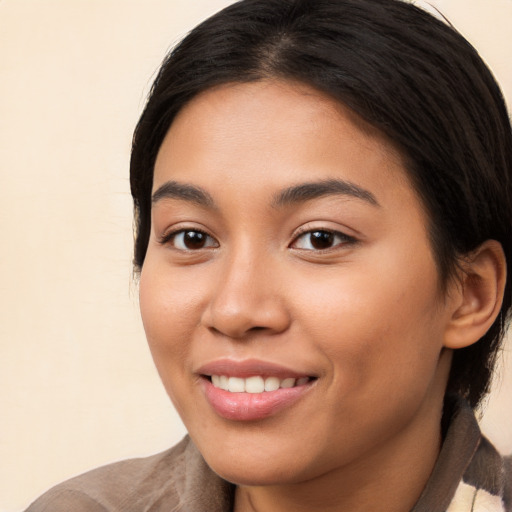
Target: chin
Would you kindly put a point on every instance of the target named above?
(265, 473)
(262, 460)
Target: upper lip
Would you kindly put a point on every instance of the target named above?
(249, 368)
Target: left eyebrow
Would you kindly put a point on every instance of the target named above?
(313, 190)
(183, 192)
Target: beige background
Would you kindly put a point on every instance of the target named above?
(77, 385)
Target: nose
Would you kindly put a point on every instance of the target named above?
(247, 298)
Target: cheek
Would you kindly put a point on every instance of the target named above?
(168, 305)
(168, 298)
(376, 323)
(167, 326)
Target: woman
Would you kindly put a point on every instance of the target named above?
(323, 206)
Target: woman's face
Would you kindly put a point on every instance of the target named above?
(289, 257)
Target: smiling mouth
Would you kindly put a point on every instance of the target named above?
(252, 389)
(256, 384)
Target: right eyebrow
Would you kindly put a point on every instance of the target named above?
(311, 190)
(185, 192)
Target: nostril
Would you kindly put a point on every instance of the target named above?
(237, 321)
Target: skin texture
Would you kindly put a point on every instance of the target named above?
(365, 317)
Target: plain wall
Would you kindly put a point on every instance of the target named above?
(77, 384)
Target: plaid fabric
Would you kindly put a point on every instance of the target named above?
(469, 476)
(471, 499)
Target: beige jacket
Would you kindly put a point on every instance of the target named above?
(469, 476)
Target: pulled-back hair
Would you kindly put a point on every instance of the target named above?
(405, 72)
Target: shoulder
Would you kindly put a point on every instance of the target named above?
(470, 474)
(122, 485)
(491, 475)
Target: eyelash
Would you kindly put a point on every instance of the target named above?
(345, 239)
(170, 238)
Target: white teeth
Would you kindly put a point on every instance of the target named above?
(236, 385)
(223, 383)
(255, 384)
(272, 384)
(288, 383)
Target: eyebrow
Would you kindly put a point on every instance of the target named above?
(294, 194)
(185, 192)
(307, 191)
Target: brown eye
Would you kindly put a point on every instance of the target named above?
(192, 240)
(321, 239)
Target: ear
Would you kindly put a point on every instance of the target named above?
(478, 296)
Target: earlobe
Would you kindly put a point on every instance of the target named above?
(478, 297)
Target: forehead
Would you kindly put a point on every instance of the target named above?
(277, 132)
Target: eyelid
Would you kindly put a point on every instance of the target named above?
(305, 230)
(167, 237)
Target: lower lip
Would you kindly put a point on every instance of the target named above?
(251, 406)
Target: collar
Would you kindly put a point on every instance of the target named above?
(468, 475)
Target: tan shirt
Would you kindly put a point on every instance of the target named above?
(469, 476)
